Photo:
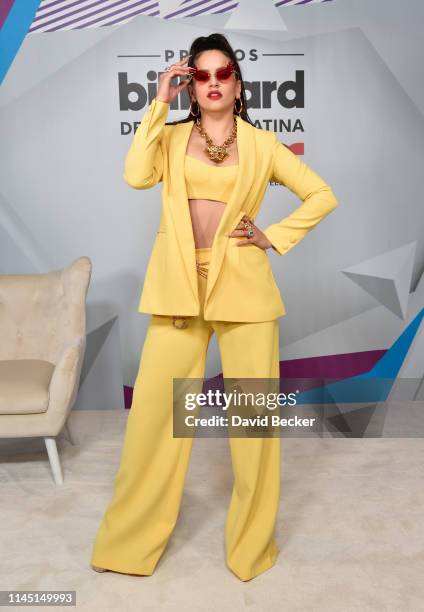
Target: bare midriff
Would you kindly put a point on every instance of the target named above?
(205, 218)
(206, 178)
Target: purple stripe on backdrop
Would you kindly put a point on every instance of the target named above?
(333, 367)
(211, 6)
(5, 6)
(64, 9)
(227, 8)
(282, 2)
(128, 393)
(105, 15)
(343, 365)
(46, 6)
(299, 2)
(139, 11)
(189, 8)
(155, 5)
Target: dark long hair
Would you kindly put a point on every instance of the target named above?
(220, 42)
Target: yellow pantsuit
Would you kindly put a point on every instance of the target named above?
(149, 484)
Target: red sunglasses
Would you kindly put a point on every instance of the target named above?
(222, 75)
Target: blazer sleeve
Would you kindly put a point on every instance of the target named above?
(318, 198)
(144, 161)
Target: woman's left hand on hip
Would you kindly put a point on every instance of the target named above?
(243, 228)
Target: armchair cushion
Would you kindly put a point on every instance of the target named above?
(24, 385)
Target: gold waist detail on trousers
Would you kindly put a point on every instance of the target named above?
(202, 268)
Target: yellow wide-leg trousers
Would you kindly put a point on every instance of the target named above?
(149, 484)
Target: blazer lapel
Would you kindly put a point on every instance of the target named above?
(235, 209)
(179, 202)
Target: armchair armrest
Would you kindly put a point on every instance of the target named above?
(64, 382)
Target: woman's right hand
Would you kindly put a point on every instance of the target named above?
(166, 91)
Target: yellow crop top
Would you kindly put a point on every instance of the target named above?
(209, 182)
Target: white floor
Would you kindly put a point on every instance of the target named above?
(350, 530)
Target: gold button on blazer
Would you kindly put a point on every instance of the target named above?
(240, 284)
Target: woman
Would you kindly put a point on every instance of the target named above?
(208, 273)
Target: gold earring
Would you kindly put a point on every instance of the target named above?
(198, 109)
(241, 107)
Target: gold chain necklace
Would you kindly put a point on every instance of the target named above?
(217, 153)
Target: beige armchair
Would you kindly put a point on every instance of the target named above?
(42, 347)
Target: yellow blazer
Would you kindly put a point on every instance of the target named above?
(240, 284)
